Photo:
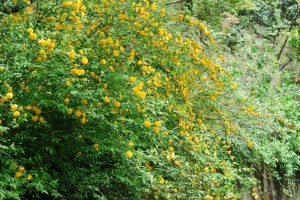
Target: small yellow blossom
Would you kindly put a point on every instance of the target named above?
(106, 99)
(103, 61)
(139, 62)
(21, 168)
(68, 83)
(157, 123)
(67, 100)
(83, 120)
(130, 144)
(129, 154)
(32, 36)
(9, 95)
(84, 60)
(30, 30)
(147, 123)
(78, 154)
(156, 130)
(78, 113)
(84, 102)
(14, 107)
(41, 119)
(116, 53)
(16, 113)
(35, 118)
(72, 55)
(132, 79)
(18, 174)
(117, 104)
(29, 177)
(96, 146)
(162, 181)
(28, 108)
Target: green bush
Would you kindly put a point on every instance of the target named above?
(106, 100)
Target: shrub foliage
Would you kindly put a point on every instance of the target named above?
(105, 99)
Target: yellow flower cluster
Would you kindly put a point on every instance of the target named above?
(138, 90)
(79, 72)
(49, 44)
(9, 95)
(32, 34)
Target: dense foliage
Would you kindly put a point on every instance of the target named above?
(119, 100)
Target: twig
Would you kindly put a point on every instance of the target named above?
(284, 43)
(287, 37)
(285, 64)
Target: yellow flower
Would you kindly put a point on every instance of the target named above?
(16, 113)
(147, 123)
(9, 95)
(21, 168)
(172, 155)
(83, 120)
(73, 71)
(67, 3)
(116, 53)
(233, 85)
(71, 55)
(18, 174)
(102, 42)
(80, 72)
(32, 36)
(168, 157)
(78, 154)
(140, 62)
(162, 181)
(84, 60)
(78, 113)
(129, 154)
(130, 144)
(156, 130)
(28, 108)
(206, 169)
(106, 99)
(30, 30)
(35, 118)
(132, 79)
(68, 83)
(103, 61)
(84, 102)
(14, 107)
(67, 100)
(29, 177)
(122, 16)
(96, 146)
(117, 104)
(36, 110)
(153, 6)
(92, 74)
(41, 119)
(157, 123)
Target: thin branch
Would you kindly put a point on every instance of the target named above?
(287, 37)
(285, 64)
(284, 44)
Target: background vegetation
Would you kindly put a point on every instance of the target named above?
(148, 99)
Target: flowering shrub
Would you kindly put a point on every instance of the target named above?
(104, 99)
